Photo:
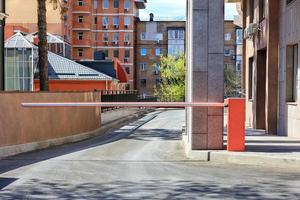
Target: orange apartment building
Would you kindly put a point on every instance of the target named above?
(23, 17)
(105, 26)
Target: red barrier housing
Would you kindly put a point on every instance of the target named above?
(236, 124)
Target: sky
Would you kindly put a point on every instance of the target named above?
(175, 10)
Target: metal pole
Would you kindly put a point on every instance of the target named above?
(2, 24)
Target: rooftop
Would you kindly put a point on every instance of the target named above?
(63, 68)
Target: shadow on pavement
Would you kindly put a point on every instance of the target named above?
(149, 189)
(14, 162)
(162, 134)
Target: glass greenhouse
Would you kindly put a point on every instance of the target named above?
(21, 58)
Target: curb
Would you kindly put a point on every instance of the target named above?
(28, 147)
(245, 158)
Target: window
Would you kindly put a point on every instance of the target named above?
(239, 36)
(105, 37)
(127, 54)
(289, 1)
(143, 36)
(127, 37)
(116, 53)
(176, 34)
(80, 35)
(127, 69)
(105, 4)
(127, 21)
(116, 37)
(127, 4)
(251, 79)
(116, 3)
(291, 73)
(80, 52)
(227, 52)
(95, 20)
(227, 36)
(143, 82)
(94, 35)
(143, 51)
(262, 8)
(156, 69)
(105, 21)
(158, 51)
(80, 2)
(143, 67)
(116, 21)
(95, 4)
(80, 19)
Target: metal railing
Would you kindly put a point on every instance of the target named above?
(118, 96)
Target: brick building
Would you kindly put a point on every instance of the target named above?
(105, 26)
(154, 39)
(233, 45)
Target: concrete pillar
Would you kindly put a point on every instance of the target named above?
(205, 74)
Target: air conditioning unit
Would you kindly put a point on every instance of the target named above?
(127, 42)
(126, 9)
(250, 31)
(115, 42)
(126, 60)
(105, 26)
(106, 43)
(116, 26)
(126, 26)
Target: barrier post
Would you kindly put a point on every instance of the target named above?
(236, 124)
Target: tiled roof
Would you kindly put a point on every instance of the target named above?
(18, 41)
(63, 68)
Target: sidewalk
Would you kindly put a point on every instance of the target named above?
(261, 149)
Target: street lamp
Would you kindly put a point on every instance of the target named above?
(2, 25)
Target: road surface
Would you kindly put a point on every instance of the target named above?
(144, 160)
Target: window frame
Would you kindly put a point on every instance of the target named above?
(80, 3)
(80, 19)
(80, 52)
(143, 51)
(292, 59)
(114, 4)
(80, 35)
(105, 4)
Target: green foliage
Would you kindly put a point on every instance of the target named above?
(172, 86)
(232, 83)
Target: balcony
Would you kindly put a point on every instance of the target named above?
(140, 4)
(82, 26)
(81, 9)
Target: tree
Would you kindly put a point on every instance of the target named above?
(172, 86)
(232, 83)
(43, 47)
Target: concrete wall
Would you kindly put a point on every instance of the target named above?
(27, 125)
(289, 113)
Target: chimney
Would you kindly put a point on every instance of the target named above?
(151, 17)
